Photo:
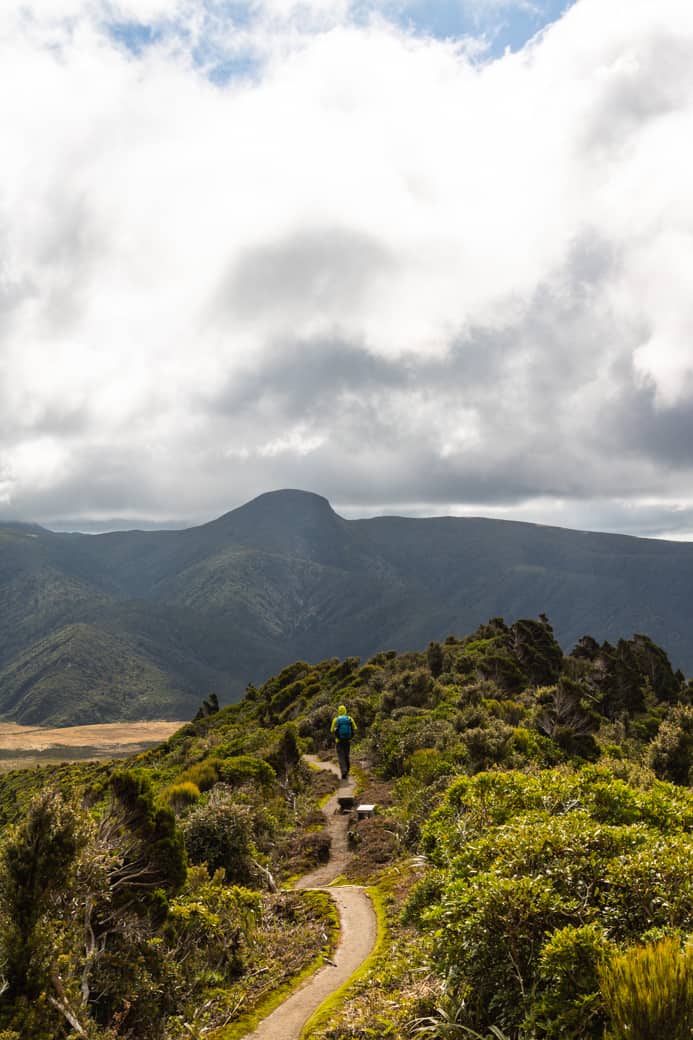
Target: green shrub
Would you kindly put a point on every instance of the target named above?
(220, 834)
(493, 929)
(648, 992)
(568, 1004)
(536, 876)
(180, 796)
(671, 751)
(204, 775)
(286, 753)
(244, 769)
(487, 745)
(411, 688)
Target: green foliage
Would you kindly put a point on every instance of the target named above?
(435, 658)
(537, 876)
(154, 858)
(286, 753)
(243, 769)
(210, 922)
(395, 740)
(180, 796)
(38, 859)
(204, 775)
(568, 1004)
(671, 752)
(530, 876)
(648, 992)
(220, 834)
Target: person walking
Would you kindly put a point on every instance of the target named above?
(343, 729)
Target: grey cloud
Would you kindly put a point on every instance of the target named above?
(547, 405)
(537, 389)
(309, 269)
(651, 82)
(101, 480)
(548, 427)
(302, 375)
(661, 432)
(12, 295)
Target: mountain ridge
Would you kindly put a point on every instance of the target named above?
(284, 576)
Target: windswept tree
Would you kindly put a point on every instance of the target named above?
(79, 902)
(38, 881)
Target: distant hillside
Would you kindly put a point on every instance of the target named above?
(143, 624)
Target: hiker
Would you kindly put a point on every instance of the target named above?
(343, 729)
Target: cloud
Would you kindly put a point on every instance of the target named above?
(373, 266)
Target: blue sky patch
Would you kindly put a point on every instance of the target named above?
(134, 36)
(503, 26)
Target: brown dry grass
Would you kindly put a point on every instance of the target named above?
(14, 737)
(22, 746)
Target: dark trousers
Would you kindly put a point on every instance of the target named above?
(343, 756)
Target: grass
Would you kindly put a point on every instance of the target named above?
(22, 747)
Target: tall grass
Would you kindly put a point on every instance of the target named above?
(648, 992)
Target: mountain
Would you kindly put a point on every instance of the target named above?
(143, 624)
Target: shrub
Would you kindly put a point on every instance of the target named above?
(204, 775)
(412, 688)
(493, 933)
(537, 876)
(568, 1005)
(220, 834)
(244, 769)
(648, 992)
(286, 754)
(671, 751)
(487, 745)
(395, 740)
(180, 796)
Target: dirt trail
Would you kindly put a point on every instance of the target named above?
(357, 929)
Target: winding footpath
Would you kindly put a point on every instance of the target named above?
(357, 924)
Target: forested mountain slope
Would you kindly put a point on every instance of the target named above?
(283, 577)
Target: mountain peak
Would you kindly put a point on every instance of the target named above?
(291, 501)
(291, 521)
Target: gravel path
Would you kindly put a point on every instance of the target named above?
(357, 923)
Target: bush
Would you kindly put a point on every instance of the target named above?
(410, 688)
(487, 745)
(671, 751)
(204, 775)
(493, 932)
(244, 769)
(180, 796)
(537, 876)
(286, 754)
(569, 1004)
(648, 992)
(220, 834)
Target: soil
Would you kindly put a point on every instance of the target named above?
(357, 922)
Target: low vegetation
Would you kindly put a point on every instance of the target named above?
(530, 854)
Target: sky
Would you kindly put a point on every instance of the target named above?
(421, 258)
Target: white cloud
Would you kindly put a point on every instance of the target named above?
(504, 248)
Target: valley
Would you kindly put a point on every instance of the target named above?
(24, 746)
